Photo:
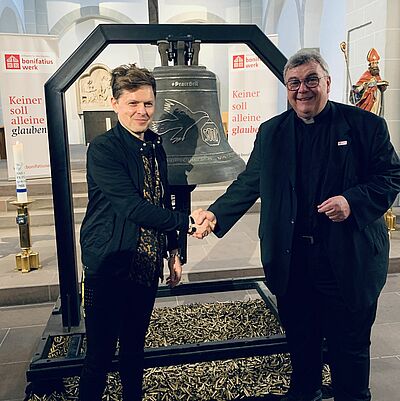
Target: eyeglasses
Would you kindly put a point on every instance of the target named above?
(310, 82)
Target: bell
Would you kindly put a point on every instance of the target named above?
(188, 119)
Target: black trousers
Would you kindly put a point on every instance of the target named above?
(313, 309)
(115, 309)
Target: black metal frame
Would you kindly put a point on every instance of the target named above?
(68, 73)
(43, 369)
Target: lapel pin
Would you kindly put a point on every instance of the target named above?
(342, 143)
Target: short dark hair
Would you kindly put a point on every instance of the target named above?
(129, 77)
(305, 56)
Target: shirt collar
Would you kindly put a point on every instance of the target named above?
(150, 138)
(132, 133)
(319, 118)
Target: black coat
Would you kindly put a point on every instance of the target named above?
(117, 208)
(367, 171)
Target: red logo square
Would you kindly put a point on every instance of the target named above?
(13, 61)
(238, 61)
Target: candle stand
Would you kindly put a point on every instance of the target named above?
(26, 260)
(390, 220)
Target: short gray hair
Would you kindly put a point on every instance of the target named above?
(305, 56)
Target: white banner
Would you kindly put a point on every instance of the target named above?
(26, 64)
(253, 91)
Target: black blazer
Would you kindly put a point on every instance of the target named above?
(365, 167)
(117, 208)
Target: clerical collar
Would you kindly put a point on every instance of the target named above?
(134, 133)
(309, 121)
(322, 116)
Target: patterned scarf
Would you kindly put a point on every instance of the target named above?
(148, 260)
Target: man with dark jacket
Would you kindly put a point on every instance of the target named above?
(128, 229)
(326, 173)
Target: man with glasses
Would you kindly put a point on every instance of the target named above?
(326, 173)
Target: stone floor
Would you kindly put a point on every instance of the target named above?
(22, 326)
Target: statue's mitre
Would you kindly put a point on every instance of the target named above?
(373, 56)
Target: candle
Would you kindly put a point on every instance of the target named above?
(108, 123)
(19, 165)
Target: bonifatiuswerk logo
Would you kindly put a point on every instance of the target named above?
(238, 61)
(13, 61)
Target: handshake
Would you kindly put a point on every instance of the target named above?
(202, 223)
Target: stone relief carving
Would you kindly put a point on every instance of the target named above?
(94, 92)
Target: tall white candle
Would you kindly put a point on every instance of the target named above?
(108, 123)
(19, 164)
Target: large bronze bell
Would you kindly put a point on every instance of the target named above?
(188, 119)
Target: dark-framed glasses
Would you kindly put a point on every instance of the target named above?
(310, 82)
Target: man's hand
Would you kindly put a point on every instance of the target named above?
(175, 269)
(336, 208)
(205, 223)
